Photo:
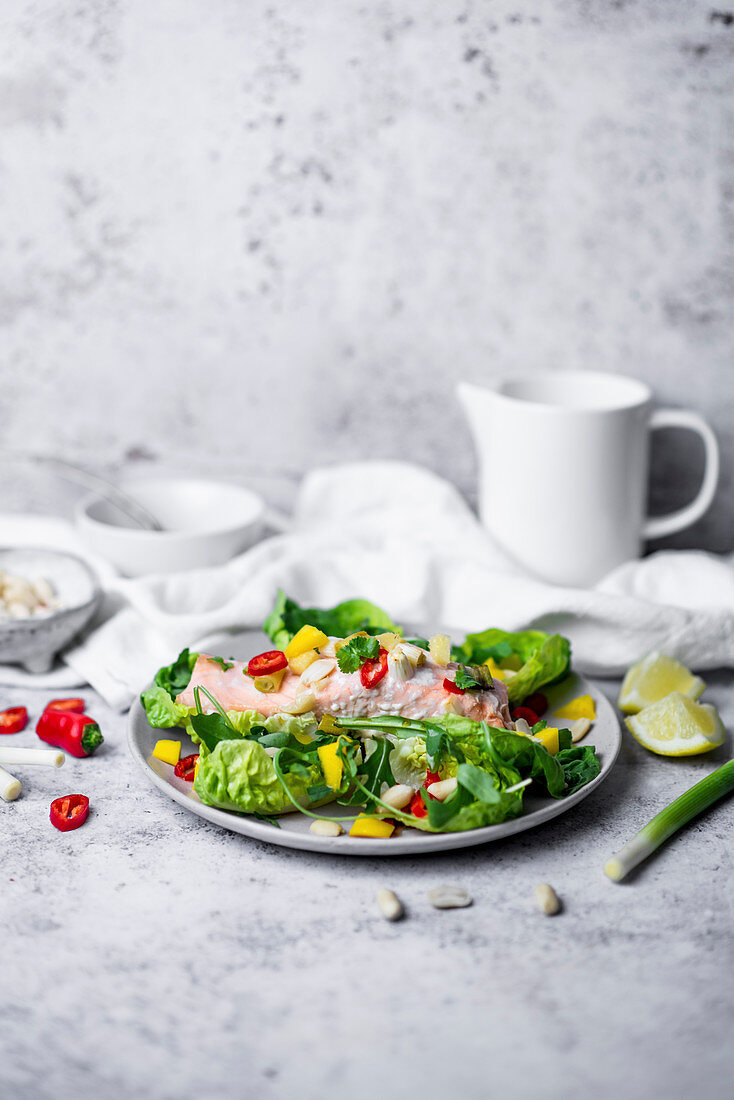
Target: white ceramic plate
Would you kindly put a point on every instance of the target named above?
(605, 735)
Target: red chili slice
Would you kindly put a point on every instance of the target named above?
(450, 686)
(186, 767)
(537, 702)
(69, 812)
(75, 705)
(431, 777)
(13, 720)
(525, 712)
(374, 669)
(265, 664)
(417, 806)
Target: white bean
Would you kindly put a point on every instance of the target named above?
(449, 897)
(323, 827)
(398, 796)
(443, 788)
(390, 904)
(547, 899)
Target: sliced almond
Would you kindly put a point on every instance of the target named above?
(579, 729)
(318, 670)
(443, 788)
(303, 702)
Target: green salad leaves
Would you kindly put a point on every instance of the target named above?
(287, 618)
(544, 658)
(353, 655)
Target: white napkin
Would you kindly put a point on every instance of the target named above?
(404, 538)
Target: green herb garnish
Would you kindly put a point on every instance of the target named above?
(473, 678)
(353, 655)
(224, 665)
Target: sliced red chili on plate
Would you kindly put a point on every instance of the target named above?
(374, 669)
(418, 807)
(431, 777)
(13, 720)
(450, 686)
(537, 702)
(265, 664)
(75, 705)
(186, 767)
(525, 712)
(69, 812)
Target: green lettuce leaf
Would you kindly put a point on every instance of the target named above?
(580, 765)
(287, 618)
(161, 710)
(175, 678)
(239, 775)
(545, 658)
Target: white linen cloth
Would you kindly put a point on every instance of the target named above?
(406, 539)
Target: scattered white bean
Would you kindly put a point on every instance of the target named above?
(323, 827)
(390, 904)
(547, 899)
(398, 796)
(579, 729)
(9, 786)
(443, 788)
(449, 897)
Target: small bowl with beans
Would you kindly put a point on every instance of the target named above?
(46, 598)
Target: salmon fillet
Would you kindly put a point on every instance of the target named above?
(343, 695)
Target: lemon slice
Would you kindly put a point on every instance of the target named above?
(654, 677)
(676, 726)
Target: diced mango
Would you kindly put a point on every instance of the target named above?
(331, 765)
(389, 640)
(494, 668)
(439, 646)
(196, 768)
(308, 637)
(371, 826)
(299, 664)
(168, 751)
(549, 738)
(581, 707)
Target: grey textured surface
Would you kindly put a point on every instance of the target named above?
(252, 236)
(150, 954)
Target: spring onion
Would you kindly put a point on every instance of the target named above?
(669, 820)
(9, 786)
(52, 758)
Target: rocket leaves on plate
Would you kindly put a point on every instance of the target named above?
(346, 618)
(353, 655)
(580, 765)
(372, 774)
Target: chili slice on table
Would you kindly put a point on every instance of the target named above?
(75, 705)
(13, 720)
(186, 767)
(374, 669)
(450, 686)
(265, 664)
(69, 812)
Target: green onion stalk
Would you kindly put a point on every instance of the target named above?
(669, 820)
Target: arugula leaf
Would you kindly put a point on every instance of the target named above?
(212, 728)
(580, 765)
(175, 678)
(348, 617)
(440, 813)
(440, 745)
(422, 643)
(224, 665)
(353, 655)
(319, 791)
(373, 773)
(473, 678)
(477, 782)
(541, 725)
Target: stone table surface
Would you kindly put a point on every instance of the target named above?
(152, 955)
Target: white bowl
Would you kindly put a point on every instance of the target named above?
(35, 641)
(205, 523)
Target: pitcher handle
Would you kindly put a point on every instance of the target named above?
(656, 527)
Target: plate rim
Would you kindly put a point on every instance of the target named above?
(417, 843)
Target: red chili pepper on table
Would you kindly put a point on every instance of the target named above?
(265, 664)
(69, 812)
(13, 720)
(537, 702)
(75, 705)
(77, 734)
(524, 712)
(374, 669)
(186, 767)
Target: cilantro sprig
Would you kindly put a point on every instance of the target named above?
(473, 678)
(353, 655)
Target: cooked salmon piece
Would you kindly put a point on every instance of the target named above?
(343, 695)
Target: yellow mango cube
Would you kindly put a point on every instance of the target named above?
(364, 825)
(168, 751)
(299, 664)
(497, 672)
(308, 637)
(549, 738)
(331, 765)
(580, 707)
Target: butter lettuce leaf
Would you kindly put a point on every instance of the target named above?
(545, 658)
(287, 618)
(162, 712)
(239, 775)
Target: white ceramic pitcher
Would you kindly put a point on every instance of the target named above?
(563, 469)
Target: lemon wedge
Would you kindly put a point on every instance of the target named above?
(654, 677)
(676, 726)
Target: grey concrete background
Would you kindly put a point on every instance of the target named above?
(252, 235)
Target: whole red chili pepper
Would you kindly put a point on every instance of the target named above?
(450, 686)
(75, 705)
(13, 720)
(77, 734)
(524, 712)
(374, 669)
(265, 664)
(69, 812)
(537, 702)
(186, 767)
